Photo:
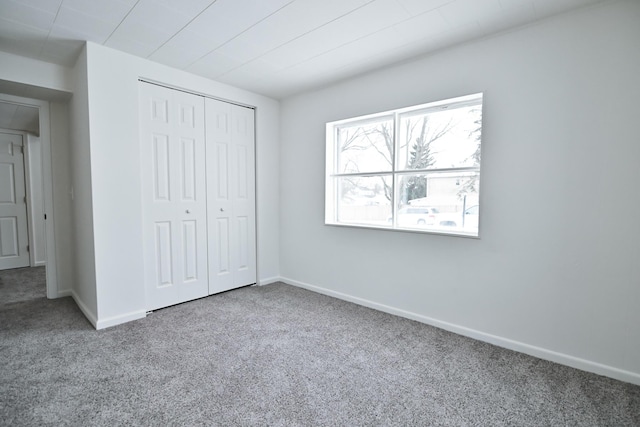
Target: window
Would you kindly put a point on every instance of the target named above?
(414, 169)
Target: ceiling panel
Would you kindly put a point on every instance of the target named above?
(423, 25)
(147, 35)
(185, 7)
(50, 6)
(464, 12)
(133, 46)
(185, 47)
(112, 12)
(19, 117)
(18, 31)
(289, 23)
(275, 47)
(416, 7)
(361, 23)
(158, 16)
(25, 14)
(214, 64)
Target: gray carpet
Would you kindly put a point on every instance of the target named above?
(280, 356)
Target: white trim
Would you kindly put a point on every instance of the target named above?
(269, 280)
(108, 322)
(121, 318)
(34, 244)
(542, 353)
(90, 315)
(47, 178)
(31, 223)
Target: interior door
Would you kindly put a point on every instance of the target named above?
(230, 195)
(174, 195)
(13, 205)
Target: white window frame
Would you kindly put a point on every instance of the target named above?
(332, 159)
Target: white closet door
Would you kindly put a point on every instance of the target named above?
(231, 214)
(174, 195)
(13, 204)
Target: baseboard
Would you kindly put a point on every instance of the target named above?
(122, 318)
(90, 315)
(542, 353)
(268, 281)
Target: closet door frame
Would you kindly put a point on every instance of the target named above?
(214, 286)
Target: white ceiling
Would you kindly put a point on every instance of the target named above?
(19, 117)
(273, 47)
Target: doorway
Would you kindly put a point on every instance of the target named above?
(36, 120)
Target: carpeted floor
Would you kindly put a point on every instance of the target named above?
(280, 356)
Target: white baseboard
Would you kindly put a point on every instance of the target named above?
(268, 281)
(542, 353)
(110, 321)
(122, 318)
(90, 315)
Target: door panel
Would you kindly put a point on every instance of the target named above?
(161, 167)
(231, 195)
(174, 195)
(13, 206)
(189, 170)
(163, 254)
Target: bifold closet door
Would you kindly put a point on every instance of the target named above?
(174, 195)
(230, 195)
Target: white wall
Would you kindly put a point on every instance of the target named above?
(83, 251)
(116, 182)
(556, 270)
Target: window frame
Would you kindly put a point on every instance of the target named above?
(332, 161)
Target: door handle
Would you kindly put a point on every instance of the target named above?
(221, 210)
(188, 211)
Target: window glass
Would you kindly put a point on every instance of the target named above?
(415, 169)
(364, 199)
(366, 147)
(439, 139)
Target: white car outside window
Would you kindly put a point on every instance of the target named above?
(417, 216)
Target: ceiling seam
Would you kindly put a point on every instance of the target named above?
(50, 29)
(120, 23)
(369, 34)
(239, 34)
(181, 29)
(297, 37)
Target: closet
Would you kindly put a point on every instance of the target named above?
(198, 195)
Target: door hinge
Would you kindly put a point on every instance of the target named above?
(45, 217)
(27, 248)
